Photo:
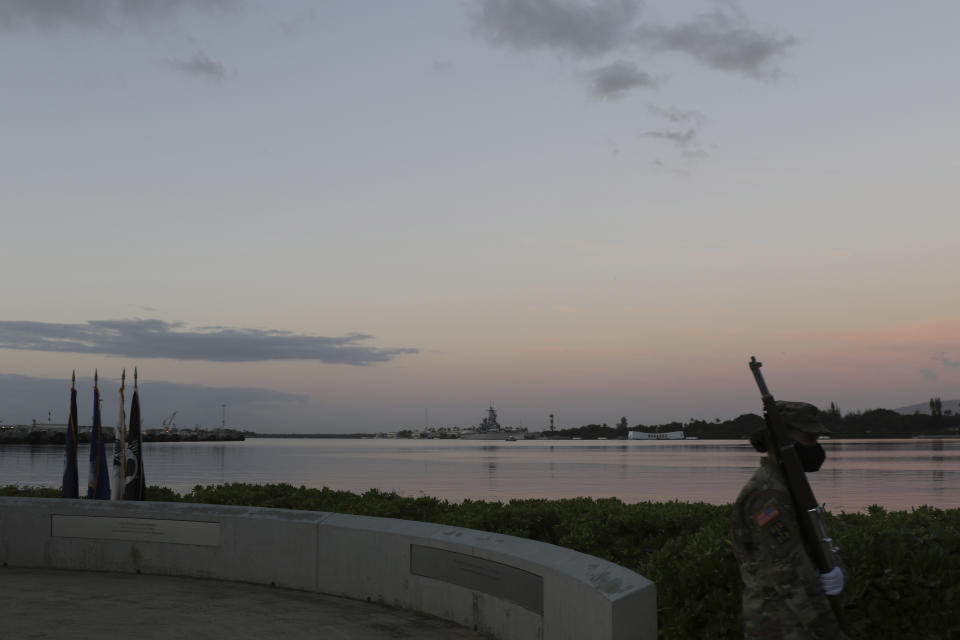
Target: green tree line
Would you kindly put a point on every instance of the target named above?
(873, 423)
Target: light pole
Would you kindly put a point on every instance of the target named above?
(223, 418)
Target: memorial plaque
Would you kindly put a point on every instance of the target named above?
(495, 578)
(142, 529)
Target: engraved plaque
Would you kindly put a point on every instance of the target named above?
(497, 579)
(143, 529)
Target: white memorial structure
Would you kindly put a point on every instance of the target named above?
(508, 587)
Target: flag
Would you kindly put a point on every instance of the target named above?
(119, 451)
(98, 480)
(71, 485)
(136, 483)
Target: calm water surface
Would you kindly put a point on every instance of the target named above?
(897, 474)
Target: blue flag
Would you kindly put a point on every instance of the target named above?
(71, 485)
(98, 477)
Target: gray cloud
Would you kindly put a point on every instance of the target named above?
(680, 137)
(577, 28)
(947, 362)
(720, 41)
(683, 132)
(678, 116)
(616, 80)
(199, 65)
(152, 338)
(928, 375)
(685, 139)
(53, 15)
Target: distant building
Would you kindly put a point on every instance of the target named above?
(667, 435)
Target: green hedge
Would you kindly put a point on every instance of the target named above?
(903, 568)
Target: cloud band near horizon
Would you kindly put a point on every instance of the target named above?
(100, 15)
(152, 338)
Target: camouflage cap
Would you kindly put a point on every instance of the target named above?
(803, 416)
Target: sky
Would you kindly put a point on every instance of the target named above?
(340, 216)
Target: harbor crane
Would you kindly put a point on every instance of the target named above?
(168, 422)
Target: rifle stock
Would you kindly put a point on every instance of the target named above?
(813, 529)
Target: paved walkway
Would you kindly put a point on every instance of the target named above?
(42, 603)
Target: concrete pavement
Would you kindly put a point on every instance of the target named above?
(53, 604)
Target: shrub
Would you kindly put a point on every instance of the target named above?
(29, 492)
(903, 568)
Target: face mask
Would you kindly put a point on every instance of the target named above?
(811, 456)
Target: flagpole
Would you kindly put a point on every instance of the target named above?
(135, 487)
(98, 479)
(123, 449)
(120, 446)
(70, 485)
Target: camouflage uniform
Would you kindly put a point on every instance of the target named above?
(782, 595)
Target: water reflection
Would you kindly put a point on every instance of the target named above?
(896, 474)
(491, 476)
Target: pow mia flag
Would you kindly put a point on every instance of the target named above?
(134, 482)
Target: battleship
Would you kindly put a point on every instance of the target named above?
(490, 429)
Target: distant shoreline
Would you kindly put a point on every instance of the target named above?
(328, 436)
(871, 424)
(58, 439)
(57, 435)
(370, 436)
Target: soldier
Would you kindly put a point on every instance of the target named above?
(784, 596)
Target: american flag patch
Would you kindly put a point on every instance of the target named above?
(769, 513)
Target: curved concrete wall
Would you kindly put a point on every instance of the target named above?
(509, 587)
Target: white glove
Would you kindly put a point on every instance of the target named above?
(832, 581)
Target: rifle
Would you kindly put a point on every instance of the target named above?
(818, 543)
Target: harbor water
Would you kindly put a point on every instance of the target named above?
(895, 474)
